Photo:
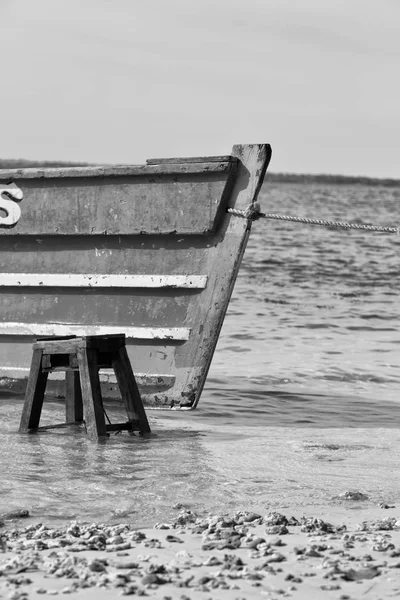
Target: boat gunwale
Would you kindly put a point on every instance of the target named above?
(148, 170)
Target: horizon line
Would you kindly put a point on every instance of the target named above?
(277, 176)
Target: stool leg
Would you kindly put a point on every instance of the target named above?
(34, 394)
(73, 397)
(91, 393)
(129, 390)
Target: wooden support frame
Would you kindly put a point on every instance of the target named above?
(93, 411)
(81, 358)
(73, 397)
(129, 389)
(34, 394)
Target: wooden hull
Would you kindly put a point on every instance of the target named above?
(148, 251)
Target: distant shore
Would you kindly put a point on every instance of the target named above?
(306, 178)
(330, 179)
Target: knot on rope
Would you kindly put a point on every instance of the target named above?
(252, 212)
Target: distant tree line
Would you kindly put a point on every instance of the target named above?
(21, 163)
(331, 179)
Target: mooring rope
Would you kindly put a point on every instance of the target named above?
(253, 213)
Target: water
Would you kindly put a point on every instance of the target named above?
(302, 400)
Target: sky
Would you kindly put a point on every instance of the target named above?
(119, 81)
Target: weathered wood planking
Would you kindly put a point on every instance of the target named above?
(178, 167)
(169, 199)
(114, 307)
(172, 369)
(102, 254)
(149, 384)
(150, 357)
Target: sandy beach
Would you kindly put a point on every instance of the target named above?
(355, 554)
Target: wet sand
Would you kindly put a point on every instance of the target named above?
(353, 554)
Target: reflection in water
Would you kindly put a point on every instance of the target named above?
(59, 474)
(206, 461)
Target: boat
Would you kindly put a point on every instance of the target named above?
(150, 251)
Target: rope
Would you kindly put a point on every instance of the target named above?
(253, 213)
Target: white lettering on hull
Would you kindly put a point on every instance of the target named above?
(10, 194)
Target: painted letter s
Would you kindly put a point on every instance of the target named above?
(8, 205)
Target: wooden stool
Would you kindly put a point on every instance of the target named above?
(81, 358)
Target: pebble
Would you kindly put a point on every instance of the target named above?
(276, 530)
(382, 545)
(14, 514)
(314, 525)
(275, 557)
(125, 565)
(353, 495)
(253, 543)
(246, 517)
(153, 578)
(174, 539)
(17, 595)
(293, 578)
(276, 542)
(356, 575)
(312, 553)
(163, 526)
(115, 540)
(387, 524)
(118, 547)
(96, 565)
(331, 587)
(212, 561)
(275, 518)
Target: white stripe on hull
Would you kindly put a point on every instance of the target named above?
(59, 329)
(100, 281)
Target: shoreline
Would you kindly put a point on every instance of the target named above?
(236, 556)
